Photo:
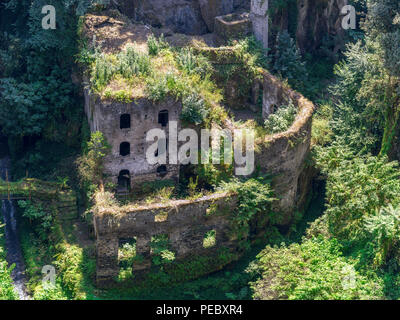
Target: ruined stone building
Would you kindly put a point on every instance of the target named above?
(184, 223)
(125, 125)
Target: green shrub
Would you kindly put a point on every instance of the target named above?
(322, 133)
(356, 188)
(49, 292)
(156, 45)
(194, 109)
(90, 165)
(157, 88)
(210, 239)
(132, 63)
(287, 61)
(73, 265)
(255, 196)
(6, 285)
(160, 248)
(42, 219)
(193, 63)
(281, 120)
(103, 70)
(383, 228)
(312, 270)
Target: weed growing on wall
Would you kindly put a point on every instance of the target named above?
(255, 196)
(282, 119)
(155, 45)
(162, 72)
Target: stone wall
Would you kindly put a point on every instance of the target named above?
(184, 221)
(231, 26)
(105, 116)
(284, 154)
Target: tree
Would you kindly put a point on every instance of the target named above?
(38, 101)
(287, 60)
(90, 165)
(383, 25)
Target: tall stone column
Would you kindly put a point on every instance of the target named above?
(143, 249)
(107, 260)
(259, 18)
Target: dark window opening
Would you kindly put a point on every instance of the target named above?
(163, 118)
(162, 171)
(125, 149)
(125, 121)
(124, 181)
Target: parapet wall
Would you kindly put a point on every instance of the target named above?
(185, 222)
(283, 155)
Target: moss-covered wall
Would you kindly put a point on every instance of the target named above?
(185, 222)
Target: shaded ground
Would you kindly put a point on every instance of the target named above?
(243, 114)
(112, 32)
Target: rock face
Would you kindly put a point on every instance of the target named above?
(317, 19)
(182, 16)
(214, 8)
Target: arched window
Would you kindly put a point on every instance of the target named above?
(162, 171)
(125, 149)
(124, 181)
(125, 121)
(163, 118)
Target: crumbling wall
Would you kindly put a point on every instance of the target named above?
(284, 154)
(184, 221)
(231, 26)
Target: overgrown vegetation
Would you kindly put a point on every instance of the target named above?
(281, 120)
(287, 61)
(91, 164)
(255, 196)
(312, 270)
(353, 136)
(40, 109)
(351, 251)
(160, 73)
(75, 265)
